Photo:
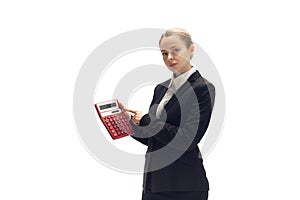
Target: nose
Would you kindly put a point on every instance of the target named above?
(170, 56)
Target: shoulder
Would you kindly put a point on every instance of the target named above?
(200, 83)
(203, 88)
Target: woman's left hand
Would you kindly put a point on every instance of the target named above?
(137, 114)
(136, 118)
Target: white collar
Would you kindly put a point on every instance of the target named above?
(182, 78)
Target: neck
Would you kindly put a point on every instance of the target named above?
(185, 69)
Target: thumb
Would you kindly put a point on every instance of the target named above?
(126, 109)
(121, 105)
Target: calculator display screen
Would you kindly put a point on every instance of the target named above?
(110, 105)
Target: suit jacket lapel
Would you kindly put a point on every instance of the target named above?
(163, 90)
(185, 87)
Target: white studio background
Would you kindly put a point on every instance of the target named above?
(140, 98)
(254, 45)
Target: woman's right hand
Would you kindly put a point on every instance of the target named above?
(127, 113)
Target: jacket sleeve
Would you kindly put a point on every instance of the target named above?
(189, 134)
(143, 122)
(141, 140)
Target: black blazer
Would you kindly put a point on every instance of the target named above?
(187, 117)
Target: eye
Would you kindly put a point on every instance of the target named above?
(164, 54)
(175, 51)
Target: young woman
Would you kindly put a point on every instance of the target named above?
(180, 110)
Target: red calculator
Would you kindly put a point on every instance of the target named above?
(114, 119)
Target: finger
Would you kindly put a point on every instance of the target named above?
(121, 105)
(124, 108)
(129, 110)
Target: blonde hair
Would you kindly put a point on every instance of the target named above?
(183, 34)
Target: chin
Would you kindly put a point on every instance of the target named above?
(172, 69)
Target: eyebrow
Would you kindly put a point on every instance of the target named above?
(174, 46)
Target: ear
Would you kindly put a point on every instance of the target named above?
(191, 49)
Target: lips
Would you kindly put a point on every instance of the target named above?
(172, 64)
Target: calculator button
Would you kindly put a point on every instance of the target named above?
(117, 125)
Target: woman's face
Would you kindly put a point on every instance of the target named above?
(175, 54)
